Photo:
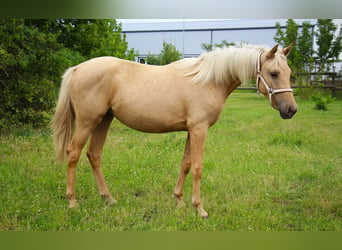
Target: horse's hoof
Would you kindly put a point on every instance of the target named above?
(111, 201)
(204, 216)
(73, 204)
(202, 213)
(180, 204)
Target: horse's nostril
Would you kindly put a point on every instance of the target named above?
(288, 113)
(292, 111)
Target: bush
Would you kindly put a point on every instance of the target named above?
(33, 56)
(321, 101)
(31, 64)
(168, 55)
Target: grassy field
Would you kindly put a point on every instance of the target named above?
(261, 173)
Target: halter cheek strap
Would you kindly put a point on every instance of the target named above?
(259, 77)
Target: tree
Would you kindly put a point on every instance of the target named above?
(305, 47)
(329, 44)
(153, 59)
(209, 47)
(301, 58)
(30, 63)
(168, 54)
(290, 35)
(34, 54)
(90, 37)
(285, 38)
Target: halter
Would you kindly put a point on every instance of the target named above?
(270, 91)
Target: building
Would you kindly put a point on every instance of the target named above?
(147, 35)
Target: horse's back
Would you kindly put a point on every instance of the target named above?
(97, 68)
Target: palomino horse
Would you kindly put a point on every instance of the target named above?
(187, 95)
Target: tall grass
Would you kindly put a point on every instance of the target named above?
(260, 173)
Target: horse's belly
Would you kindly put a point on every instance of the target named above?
(153, 121)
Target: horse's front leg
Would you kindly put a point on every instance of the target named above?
(198, 135)
(185, 168)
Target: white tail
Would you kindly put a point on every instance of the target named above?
(63, 119)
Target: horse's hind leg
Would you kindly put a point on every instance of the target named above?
(74, 149)
(185, 168)
(94, 154)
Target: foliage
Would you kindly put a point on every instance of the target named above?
(285, 38)
(302, 57)
(153, 59)
(90, 37)
(168, 54)
(30, 66)
(223, 44)
(329, 45)
(209, 47)
(304, 92)
(298, 59)
(305, 47)
(321, 101)
(34, 54)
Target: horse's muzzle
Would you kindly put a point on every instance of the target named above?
(287, 112)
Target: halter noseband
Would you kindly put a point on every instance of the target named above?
(270, 91)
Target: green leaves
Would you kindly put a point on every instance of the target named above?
(168, 54)
(302, 37)
(209, 47)
(321, 101)
(26, 85)
(34, 54)
(303, 56)
(93, 37)
(329, 43)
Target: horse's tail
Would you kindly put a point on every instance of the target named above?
(64, 117)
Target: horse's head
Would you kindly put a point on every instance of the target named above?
(273, 80)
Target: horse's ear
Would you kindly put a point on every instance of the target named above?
(287, 50)
(272, 52)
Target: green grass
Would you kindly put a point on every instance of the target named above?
(260, 173)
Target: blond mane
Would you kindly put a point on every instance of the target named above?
(221, 66)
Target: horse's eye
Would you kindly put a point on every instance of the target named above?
(274, 74)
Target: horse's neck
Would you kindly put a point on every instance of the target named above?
(231, 87)
(224, 90)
